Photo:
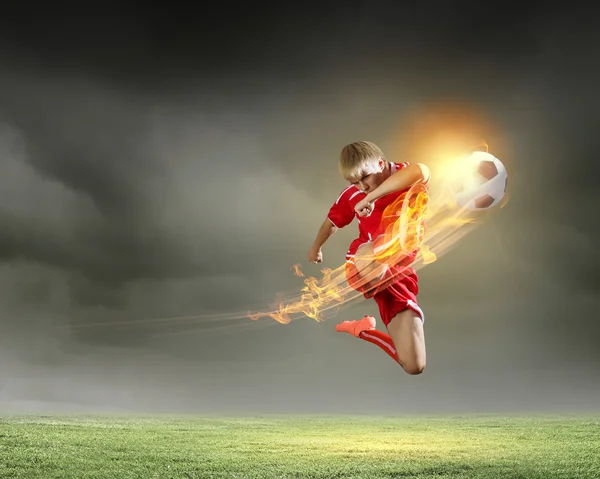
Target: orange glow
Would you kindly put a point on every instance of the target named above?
(423, 222)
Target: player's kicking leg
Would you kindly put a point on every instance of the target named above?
(368, 275)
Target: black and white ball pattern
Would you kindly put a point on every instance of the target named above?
(482, 181)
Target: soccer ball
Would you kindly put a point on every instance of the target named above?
(480, 181)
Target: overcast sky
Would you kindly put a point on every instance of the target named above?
(162, 164)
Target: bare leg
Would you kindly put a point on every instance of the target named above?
(406, 331)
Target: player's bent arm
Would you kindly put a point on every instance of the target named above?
(402, 179)
(325, 231)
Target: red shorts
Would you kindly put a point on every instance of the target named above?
(393, 296)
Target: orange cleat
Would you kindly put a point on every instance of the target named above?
(356, 327)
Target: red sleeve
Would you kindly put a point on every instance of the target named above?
(341, 212)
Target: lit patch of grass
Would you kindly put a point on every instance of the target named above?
(299, 447)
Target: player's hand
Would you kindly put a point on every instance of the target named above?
(364, 207)
(315, 255)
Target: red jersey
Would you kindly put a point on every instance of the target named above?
(342, 212)
(400, 294)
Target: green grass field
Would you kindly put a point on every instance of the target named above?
(299, 447)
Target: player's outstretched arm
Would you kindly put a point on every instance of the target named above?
(402, 179)
(315, 255)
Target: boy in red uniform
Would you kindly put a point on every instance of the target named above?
(377, 187)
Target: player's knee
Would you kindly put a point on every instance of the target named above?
(364, 261)
(414, 367)
(364, 274)
(369, 269)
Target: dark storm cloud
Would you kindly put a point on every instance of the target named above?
(143, 207)
(94, 166)
(155, 163)
(116, 191)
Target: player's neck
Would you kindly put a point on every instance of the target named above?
(387, 171)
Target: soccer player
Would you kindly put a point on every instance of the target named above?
(375, 184)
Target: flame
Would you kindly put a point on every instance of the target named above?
(427, 255)
(416, 226)
(316, 296)
(403, 235)
(428, 222)
(296, 268)
(422, 225)
(404, 227)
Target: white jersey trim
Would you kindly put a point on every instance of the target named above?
(342, 193)
(333, 222)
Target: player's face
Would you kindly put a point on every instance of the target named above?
(369, 176)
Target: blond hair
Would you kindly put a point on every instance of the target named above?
(355, 156)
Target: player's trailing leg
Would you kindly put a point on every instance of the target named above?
(365, 329)
(405, 344)
(406, 332)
